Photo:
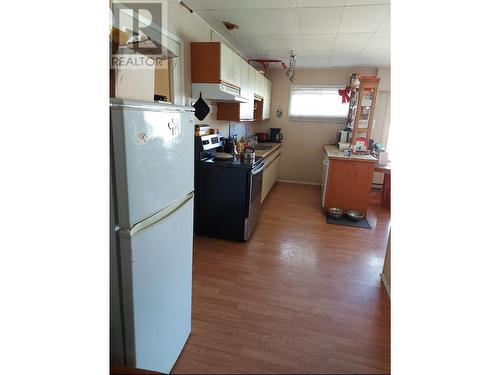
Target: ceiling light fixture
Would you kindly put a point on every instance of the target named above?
(290, 73)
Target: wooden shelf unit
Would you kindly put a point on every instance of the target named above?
(361, 108)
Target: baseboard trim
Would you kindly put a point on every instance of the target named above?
(386, 284)
(299, 182)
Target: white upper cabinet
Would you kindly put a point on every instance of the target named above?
(236, 69)
(226, 63)
(246, 92)
(266, 110)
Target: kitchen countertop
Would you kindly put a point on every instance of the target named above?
(266, 153)
(333, 152)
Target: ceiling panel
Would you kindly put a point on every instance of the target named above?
(323, 42)
(319, 20)
(363, 19)
(366, 2)
(343, 57)
(246, 20)
(271, 3)
(319, 3)
(313, 61)
(385, 27)
(322, 33)
(243, 4)
(355, 41)
(370, 57)
(278, 21)
(379, 41)
(279, 42)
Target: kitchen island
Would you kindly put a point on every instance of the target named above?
(346, 181)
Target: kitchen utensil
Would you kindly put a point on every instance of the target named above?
(354, 215)
(248, 156)
(201, 109)
(230, 146)
(223, 156)
(335, 213)
(261, 137)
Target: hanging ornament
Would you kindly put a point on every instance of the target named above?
(345, 94)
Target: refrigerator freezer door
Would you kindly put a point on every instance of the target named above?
(161, 281)
(154, 158)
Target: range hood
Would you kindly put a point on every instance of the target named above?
(218, 91)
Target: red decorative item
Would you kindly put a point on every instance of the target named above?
(345, 94)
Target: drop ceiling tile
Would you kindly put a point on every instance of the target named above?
(379, 41)
(363, 19)
(318, 42)
(319, 3)
(213, 21)
(352, 41)
(278, 21)
(248, 4)
(196, 4)
(343, 57)
(271, 3)
(277, 42)
(370, 57)
(312, 62)
(366, 2)
(319, 20)
(385, 27)
(313, 58)
(226, 4)
(245, 19)
(345, 54)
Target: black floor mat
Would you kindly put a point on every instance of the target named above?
(363, 223)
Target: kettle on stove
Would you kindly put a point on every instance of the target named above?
(230, 145)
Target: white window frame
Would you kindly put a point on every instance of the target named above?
(337, 120)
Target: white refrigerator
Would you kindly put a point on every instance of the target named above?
(152, 179)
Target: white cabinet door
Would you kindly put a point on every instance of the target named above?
(251, 79)
(154, 163)
(226, 63)
(161, 261)
(244, 68)
(266, 112)
(270, 176)
(236, 69)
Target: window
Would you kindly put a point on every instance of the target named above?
(316, 103)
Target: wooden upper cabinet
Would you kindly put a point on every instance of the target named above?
(214, 62)
(206, 62)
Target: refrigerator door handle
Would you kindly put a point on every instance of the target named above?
(159, 216)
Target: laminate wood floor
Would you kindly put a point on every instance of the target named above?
(301, 296)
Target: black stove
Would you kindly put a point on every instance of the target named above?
(235, 162)
(227, 192)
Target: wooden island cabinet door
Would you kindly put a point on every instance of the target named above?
(349, 184)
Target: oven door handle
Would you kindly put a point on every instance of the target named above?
(256, 172)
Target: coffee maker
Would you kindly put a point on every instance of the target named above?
(276, 136)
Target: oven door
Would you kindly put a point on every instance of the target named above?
(254, 200)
